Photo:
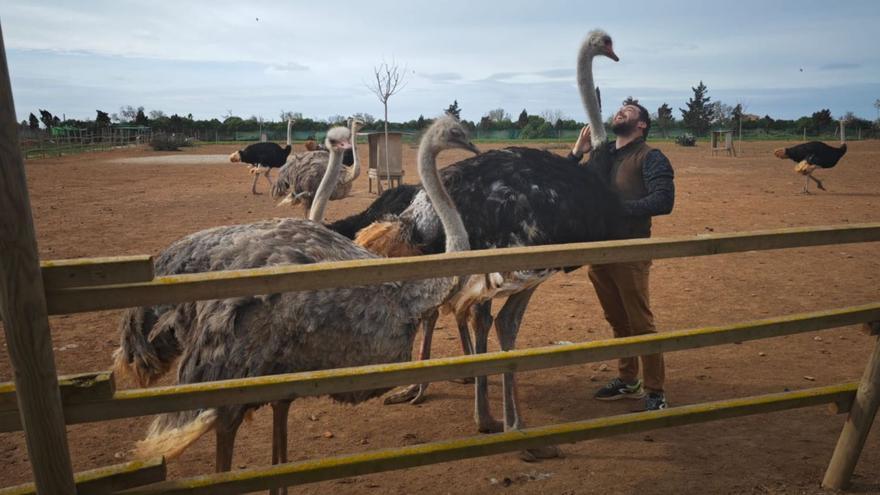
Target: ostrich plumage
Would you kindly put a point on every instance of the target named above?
(510, 197)
(297, 331)
(299, 178)
(810, 156)
(262, 157)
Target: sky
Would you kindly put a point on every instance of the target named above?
(786, 59)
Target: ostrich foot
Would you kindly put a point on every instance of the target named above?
(820, 186)
(489, 425)
(536, 454)
(414, 394)
(464, 381)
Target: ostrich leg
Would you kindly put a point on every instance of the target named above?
(507, 325)
(268, 177)
(806, 183)
(415, 394)
(226, 429)
(254, 184)
(818, 182)
(280, 410)
(482, 323)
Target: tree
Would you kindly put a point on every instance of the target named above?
(288, 115)
(552, 115)
(523, 119)
(698, 115)
(140, 118)
(498, 115)
(47, 119)
(722, 114)
(389, 80)
(366, 118)
(822, 120)
(454, 110)
(154, 115)
(664, 119)
(33, 122)
(420, 124)
(128, 113)
(103, 119)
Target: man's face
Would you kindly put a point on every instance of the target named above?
(626, 120)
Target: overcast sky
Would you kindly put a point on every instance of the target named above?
(785, 59)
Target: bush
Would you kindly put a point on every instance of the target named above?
(686, 139)
(169, 142)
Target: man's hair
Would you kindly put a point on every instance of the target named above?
(644, 115)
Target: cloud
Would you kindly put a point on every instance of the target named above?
(288, 67)
(441, 76)
(840, 66)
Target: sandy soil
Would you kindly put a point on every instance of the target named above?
(104, 204)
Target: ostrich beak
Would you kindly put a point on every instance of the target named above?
(343, 144)
(471, 147)
(609, 52)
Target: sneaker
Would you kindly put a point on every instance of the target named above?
(617, 389)
(655, 401)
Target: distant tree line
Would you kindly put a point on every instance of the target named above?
(699, 115)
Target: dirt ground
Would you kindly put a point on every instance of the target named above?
(102, 205)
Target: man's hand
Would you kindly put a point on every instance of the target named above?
(582, 145)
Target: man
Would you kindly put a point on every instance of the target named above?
(643, 178)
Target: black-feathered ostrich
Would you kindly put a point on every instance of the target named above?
(509, 197)
(299, 178)
(810, 156)
(262, 157)
(298, 331)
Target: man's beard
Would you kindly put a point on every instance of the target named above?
(624, 128)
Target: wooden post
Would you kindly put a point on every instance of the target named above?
(23, 307)
(858, 424)
(842, 131)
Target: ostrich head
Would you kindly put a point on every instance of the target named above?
(235, 157)
(355, 124)
(447, 132)
(338, 139)
(600, 43)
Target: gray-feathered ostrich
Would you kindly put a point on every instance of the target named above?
(810, 156)
(509, 197)
(262, 157)
(299, 178)
(298, 331)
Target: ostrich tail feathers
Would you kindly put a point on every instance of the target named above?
(386, 238)
(170, 434)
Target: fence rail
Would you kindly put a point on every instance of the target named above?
(236, 283)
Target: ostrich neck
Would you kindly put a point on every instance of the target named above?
(354, 171)
(327, 186)
(420, 296)
(289, 127)
(453, 226)
(588, 95)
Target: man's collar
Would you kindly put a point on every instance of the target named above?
(630, 145)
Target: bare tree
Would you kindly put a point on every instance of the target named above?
(498, 115)
(365, 118)
(553, 115)
(389, 80)
(290, 115)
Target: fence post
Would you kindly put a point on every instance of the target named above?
(858, 423)
(23, 307)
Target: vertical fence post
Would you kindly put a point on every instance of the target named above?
(858, 423)
(23, 307)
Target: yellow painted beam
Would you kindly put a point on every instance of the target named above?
(299, 473)
(82, 387)
(108, 479)
(81, 272)
(236, 283)
(139, 402)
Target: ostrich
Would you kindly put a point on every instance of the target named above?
(810, 156)
(509, 197)
(299, 331)
(298, 180)
(263, 157)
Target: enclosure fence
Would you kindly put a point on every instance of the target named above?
(72, 286)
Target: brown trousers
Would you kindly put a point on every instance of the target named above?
(622, 289)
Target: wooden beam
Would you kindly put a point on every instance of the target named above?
(237, 283)
(862, 412)
(81, 272)
(298, 473)
(108, 479)
(139, 402)
(82, 387)
(23, 307)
